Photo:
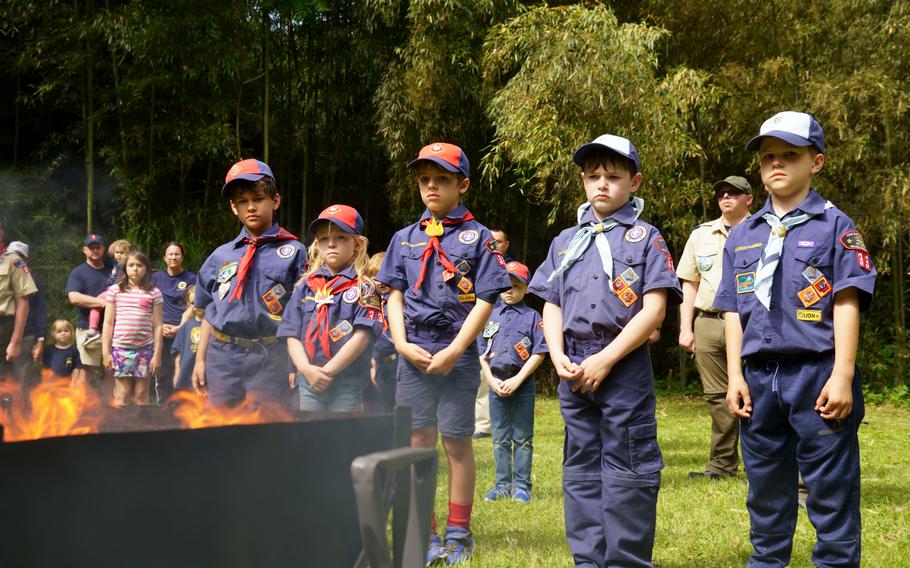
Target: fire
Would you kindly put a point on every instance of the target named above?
(194, 412)
(54, 407)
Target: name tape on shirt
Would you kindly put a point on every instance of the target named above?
(465, 298)
(809, 315)
(747, 247)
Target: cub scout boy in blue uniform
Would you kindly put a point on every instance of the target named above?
(244, 287)
(603, 300)
(445, 274)
(796, 275)
(513, 346)
(334, 315)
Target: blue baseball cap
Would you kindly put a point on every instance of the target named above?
(615, 144)
(796, 128)
(248, 170)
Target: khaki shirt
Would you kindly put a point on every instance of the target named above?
(15, 282)
(701, 261)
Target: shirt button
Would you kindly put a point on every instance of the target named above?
(814, 260)
(768, 339)
(593, 306)
(595, 277)
(439, 285)
(629, 260)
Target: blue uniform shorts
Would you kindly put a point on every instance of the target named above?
(436, 400)
(233, 372)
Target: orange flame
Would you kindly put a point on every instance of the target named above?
(54, 407)
(193, 411)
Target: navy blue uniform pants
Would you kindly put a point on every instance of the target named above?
(786, 436)
(611, 463)
(232, 372)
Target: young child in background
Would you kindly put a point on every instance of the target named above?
(118, 251)
(512, 347)
(62, 358)
(131, 342)
(333, 316)
(186, 342)
(379, 395)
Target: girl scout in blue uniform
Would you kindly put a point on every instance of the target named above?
(603, 300)
(513, 347)
(445, 274)
(796, 275)
(334, 315)
(244, 287)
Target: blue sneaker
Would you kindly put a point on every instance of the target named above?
(436, 553)
(497, 493)
(459, 546)
(521, 495)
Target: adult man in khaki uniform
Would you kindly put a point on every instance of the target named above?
(15, 285)
(701, 327)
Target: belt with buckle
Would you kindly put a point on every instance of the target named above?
(714, 315)
(242, 342)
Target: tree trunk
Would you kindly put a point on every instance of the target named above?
(16, 122)
(266, 64)
(88, 112)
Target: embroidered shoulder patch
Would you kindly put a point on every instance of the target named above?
(372, 301)
(21, 265)
(540, 325)
(491, 246)
(853, 240)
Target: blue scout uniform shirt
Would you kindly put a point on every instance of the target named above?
(91, 282)
(511, 335)
(384, 345)
(173, 289)
(591, 308)
(61, 361)
(277, 265)
(820, 257)
(480, 272)
(186, 342)
(349, 310)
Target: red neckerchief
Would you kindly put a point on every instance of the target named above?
(433, 244)
(319, 326)
(247, 260)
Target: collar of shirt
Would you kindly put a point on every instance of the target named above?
(456, 213)
(625, 215)
(813, 203)
(238, 240)
(504, 307)
(348, 273)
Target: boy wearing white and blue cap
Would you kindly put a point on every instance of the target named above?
(244, 287)
(796, 275)
(603, 299)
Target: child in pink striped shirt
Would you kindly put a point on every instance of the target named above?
(132, 339)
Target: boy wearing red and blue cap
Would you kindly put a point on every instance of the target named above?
(244, 287)
(606, 283)
(512, 347)
(445, 274)
(796, 275)
(334, 315)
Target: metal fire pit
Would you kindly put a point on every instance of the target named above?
(270, 495)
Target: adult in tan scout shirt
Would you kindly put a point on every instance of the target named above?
(700, 272)
(15, 285)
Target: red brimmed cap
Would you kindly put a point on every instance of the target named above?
(248, 170)
(448, 156)
(518, 270)
(344, 217)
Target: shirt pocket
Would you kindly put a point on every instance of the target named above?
(745, 267)
(810, 285)
(628, 276)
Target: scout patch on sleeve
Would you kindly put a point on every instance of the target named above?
(635, 234)
(340, 330)
(350, 295)
(370, 301)
(195, 336)
(662, 247)
(465, 285)
(853, 240)
(21, 265)
(745, 282)
(522, 351)
(862, 258)
(490, 329)
(491, 246)
(809, 315)
(540, 325)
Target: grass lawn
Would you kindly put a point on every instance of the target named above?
(699, 523)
